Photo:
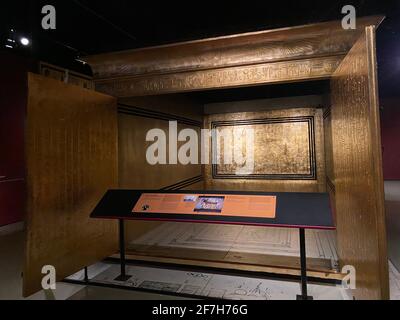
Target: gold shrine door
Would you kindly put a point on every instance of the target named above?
(71, 160)
(357, 169)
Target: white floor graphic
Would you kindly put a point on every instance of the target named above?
(209, 285)
(249, 239)
(320, 244)
(227, 287)
(394, 278)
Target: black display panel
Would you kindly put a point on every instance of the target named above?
(296, 210)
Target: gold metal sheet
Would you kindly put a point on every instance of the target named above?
(289, 152)
(276, 72)
(72, 160)
(293, 43)
(358, 183)
(286, 152)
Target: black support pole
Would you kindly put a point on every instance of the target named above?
(123, 276)
(122, 246)
(303, 262)
(86, 279)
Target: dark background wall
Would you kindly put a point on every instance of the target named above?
(390, 125)
(12, 116)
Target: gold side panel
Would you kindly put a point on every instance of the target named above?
(358, 178)
(66, 76)
(288, 151)
(329, 164)
(71, 150)
(134, 170)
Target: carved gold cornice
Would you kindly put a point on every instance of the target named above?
(307, 69)
(289, 54)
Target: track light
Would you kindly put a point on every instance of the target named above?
(24, 41)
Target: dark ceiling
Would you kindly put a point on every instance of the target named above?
(89, 27)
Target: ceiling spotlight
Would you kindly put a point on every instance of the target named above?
(24, 41)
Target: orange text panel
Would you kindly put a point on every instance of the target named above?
(209, 204)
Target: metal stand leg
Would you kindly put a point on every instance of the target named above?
(123, 276)
(86, 279)
(303, 261)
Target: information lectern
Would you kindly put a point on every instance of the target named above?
(289, 210)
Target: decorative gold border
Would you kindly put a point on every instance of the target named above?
(286, 71)
(312, 154)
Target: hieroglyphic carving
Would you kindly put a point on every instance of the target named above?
(265, 46)
(288, 153)
(278, 155)
(174, 60)
(316, 68)
(358, 181)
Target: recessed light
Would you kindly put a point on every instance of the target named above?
(24, 41)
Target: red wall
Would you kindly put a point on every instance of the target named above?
(13, 94)
(390, 124)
